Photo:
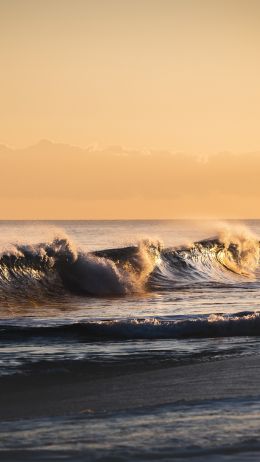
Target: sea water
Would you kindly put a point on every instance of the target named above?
(179, 293)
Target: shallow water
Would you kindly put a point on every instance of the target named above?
(65, 309)
(226, 430)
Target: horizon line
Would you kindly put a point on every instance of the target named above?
(129, 219)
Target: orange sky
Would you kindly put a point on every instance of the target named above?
(147, 75)
(58, 181)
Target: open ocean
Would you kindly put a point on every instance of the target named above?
(114, 297)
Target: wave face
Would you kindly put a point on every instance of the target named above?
(211, 261)
(57, 267)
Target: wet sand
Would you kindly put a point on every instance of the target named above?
(56, 395)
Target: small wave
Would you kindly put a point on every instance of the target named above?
(212, 326)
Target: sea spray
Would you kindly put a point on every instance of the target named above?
(241, 248)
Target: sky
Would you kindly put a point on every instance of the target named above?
(123, 77)
(59, 181)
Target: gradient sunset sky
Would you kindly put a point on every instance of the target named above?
(158, 99)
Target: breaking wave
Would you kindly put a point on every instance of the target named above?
(58, 267)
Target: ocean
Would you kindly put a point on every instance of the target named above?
(129, 340)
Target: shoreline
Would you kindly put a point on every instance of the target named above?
(30, 397)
